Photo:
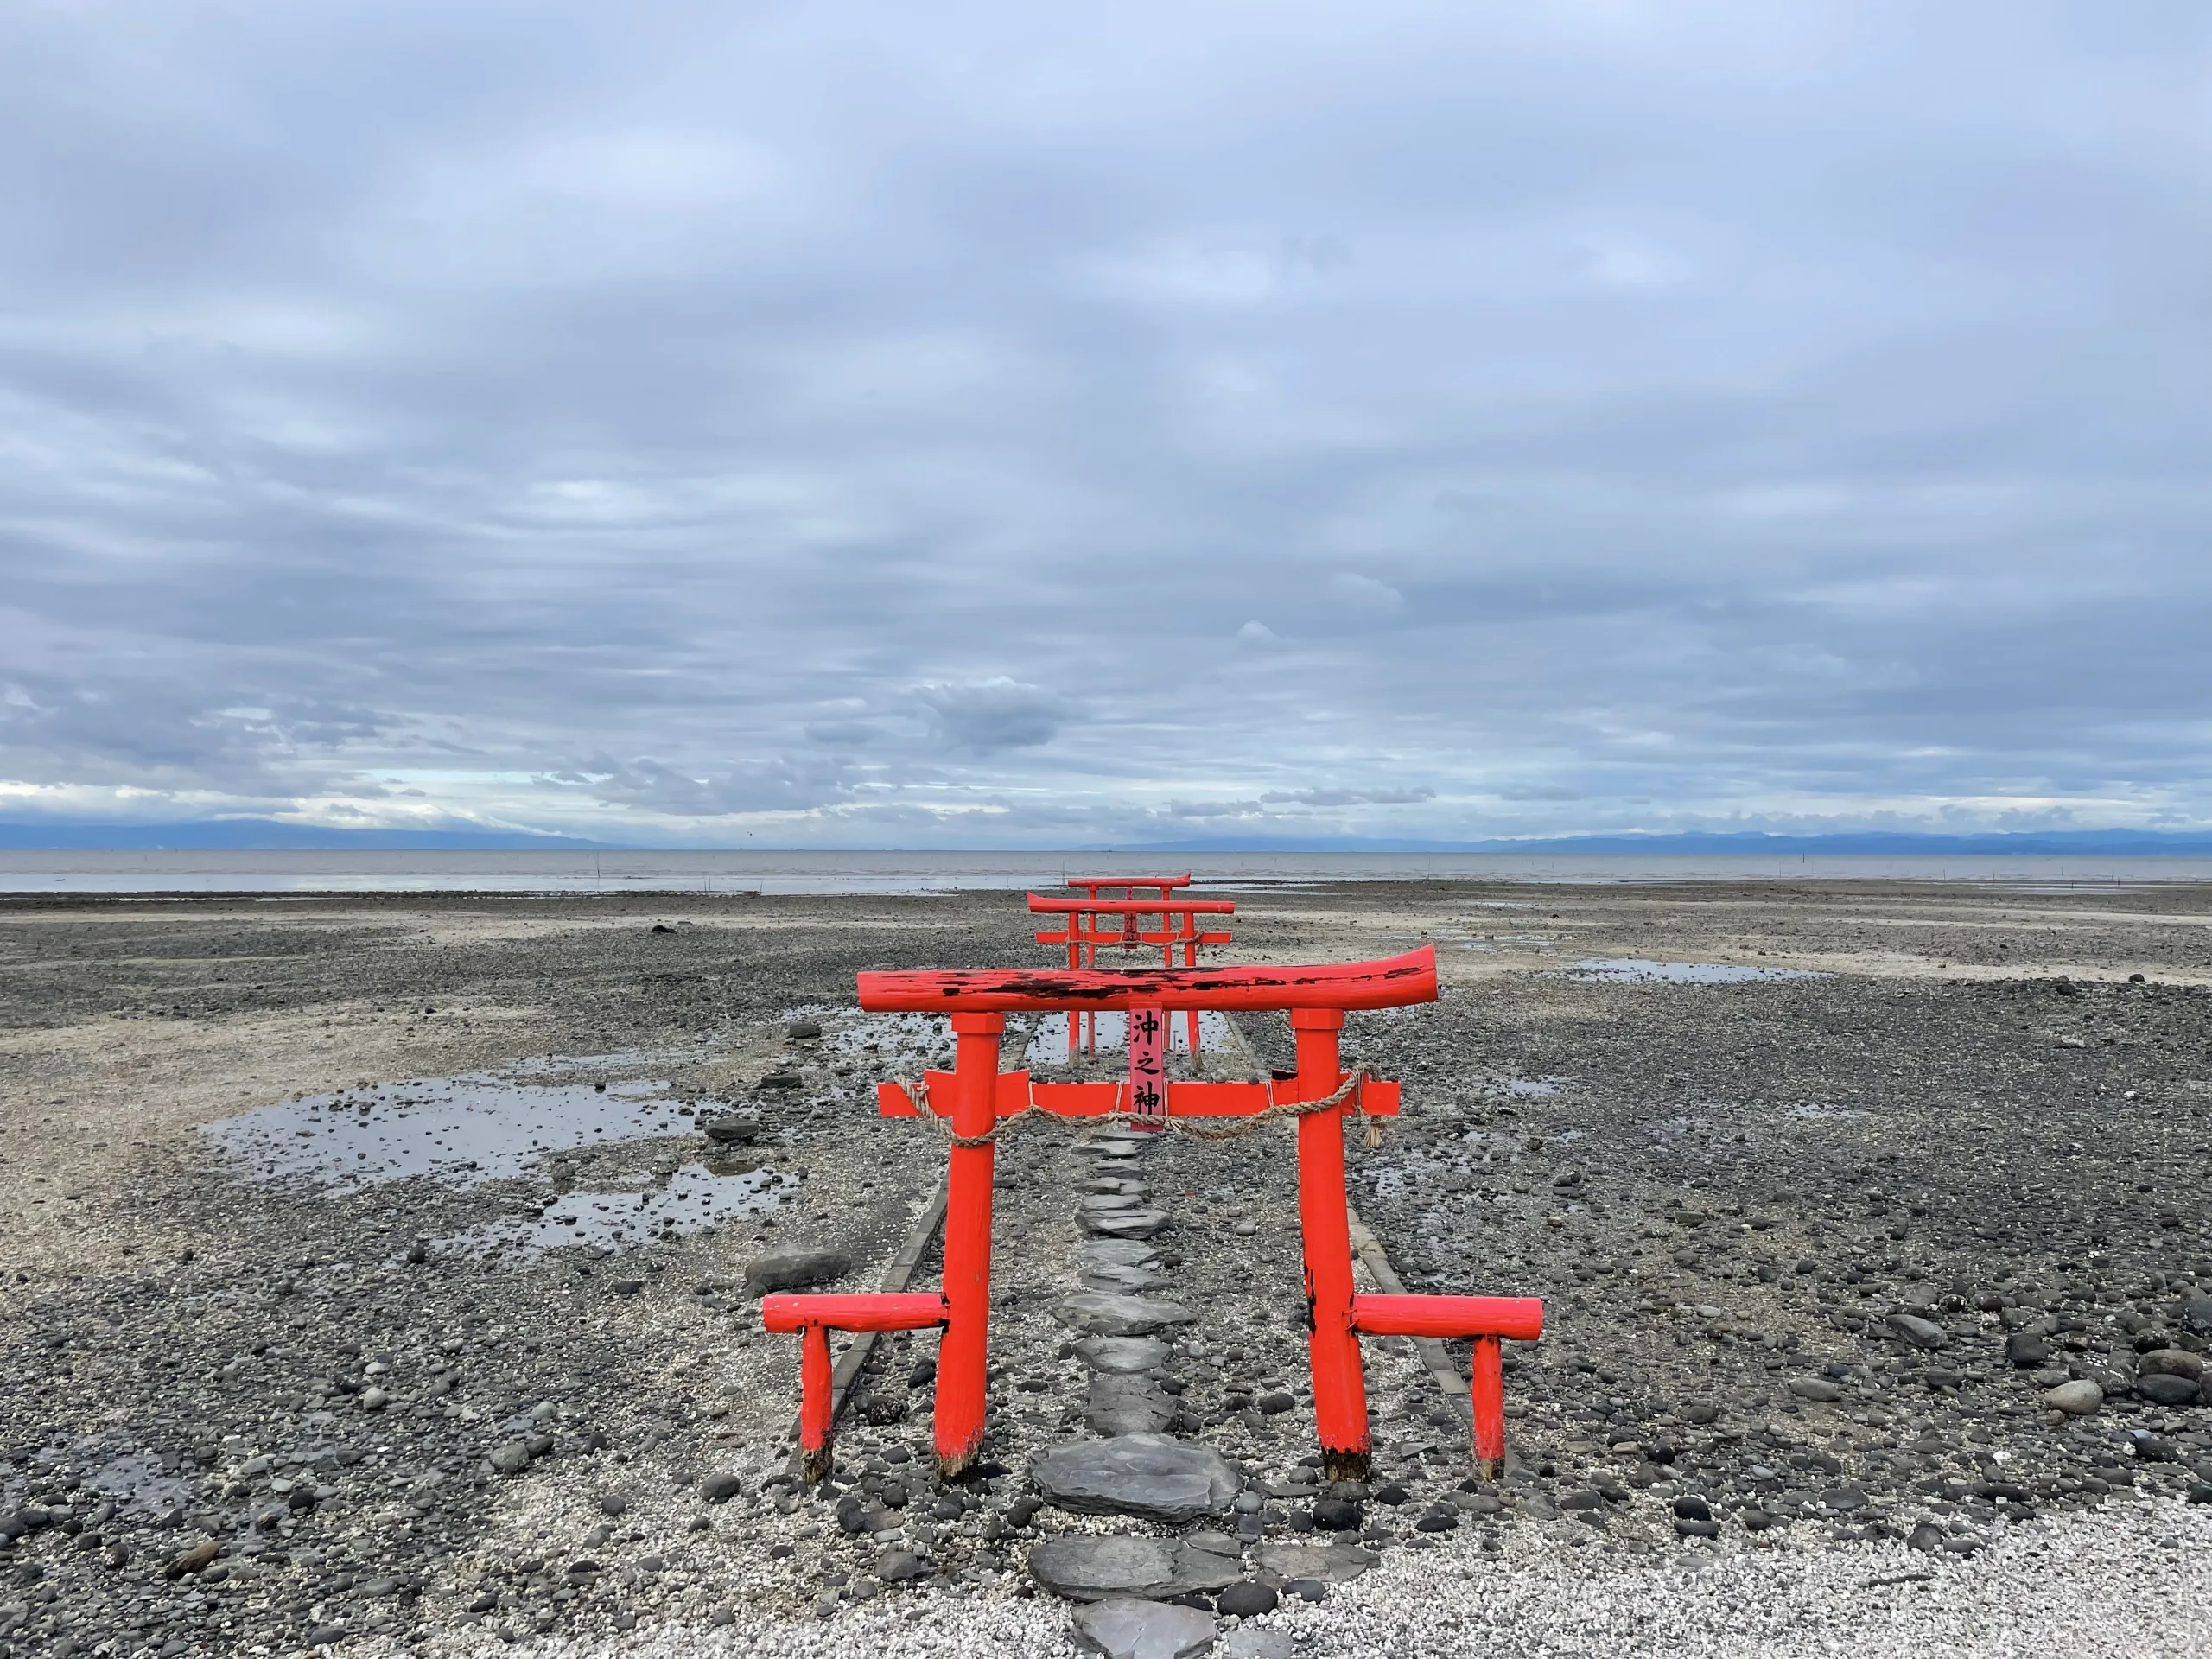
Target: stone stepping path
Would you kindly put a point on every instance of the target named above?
(1128, 1321)
(1135, 1469)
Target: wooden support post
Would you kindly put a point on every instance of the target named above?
(814, 1403)
(1077, 923)
(1339, 1388)
(963, 1354)
(1191, 960)
(1487, 1390)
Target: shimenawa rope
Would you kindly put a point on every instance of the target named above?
(1222, 1128)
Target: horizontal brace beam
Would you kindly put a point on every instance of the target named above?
(1391, 982)
(1110, 937)
(867, 1311)
(1518, 1317)
(1045, 907)
(1376, 1098)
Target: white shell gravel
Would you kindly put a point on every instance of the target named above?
(2134, 1581)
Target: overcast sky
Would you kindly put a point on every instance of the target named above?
(985, 424)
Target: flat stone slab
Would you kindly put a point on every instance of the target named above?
(1146, 1475)
(1105, 1314)
(1120, 1404)
(1090, 1567)
(1107, 1204)
(1129, 1355)
(1123, 1224)
(1278, 1563)
(1121, 1252)
(1125, 1629)
(1113, 1277)
(1220, 1546)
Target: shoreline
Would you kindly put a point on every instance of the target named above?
(243, 874)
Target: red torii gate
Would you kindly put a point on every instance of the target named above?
(978, 1097)
(1178, 929)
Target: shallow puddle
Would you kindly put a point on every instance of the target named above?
(877, 1033)
(479, 1127)
(1680, 973)
(695, 1200)
(137, 1481)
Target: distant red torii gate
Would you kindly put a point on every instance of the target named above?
(980, 1096)
(1178, 932)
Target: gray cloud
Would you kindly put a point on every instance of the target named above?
(778, 785)
(1348, 797)
(1178, 810)
(1364, 595)
(1494, 422)
(994, 714)
(844, 734)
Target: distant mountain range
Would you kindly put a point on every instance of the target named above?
(272, 835)
(2102, 843)
(269, 834)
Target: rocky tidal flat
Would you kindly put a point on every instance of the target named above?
(382, 1276)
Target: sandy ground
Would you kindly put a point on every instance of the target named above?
(1722, 1190)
